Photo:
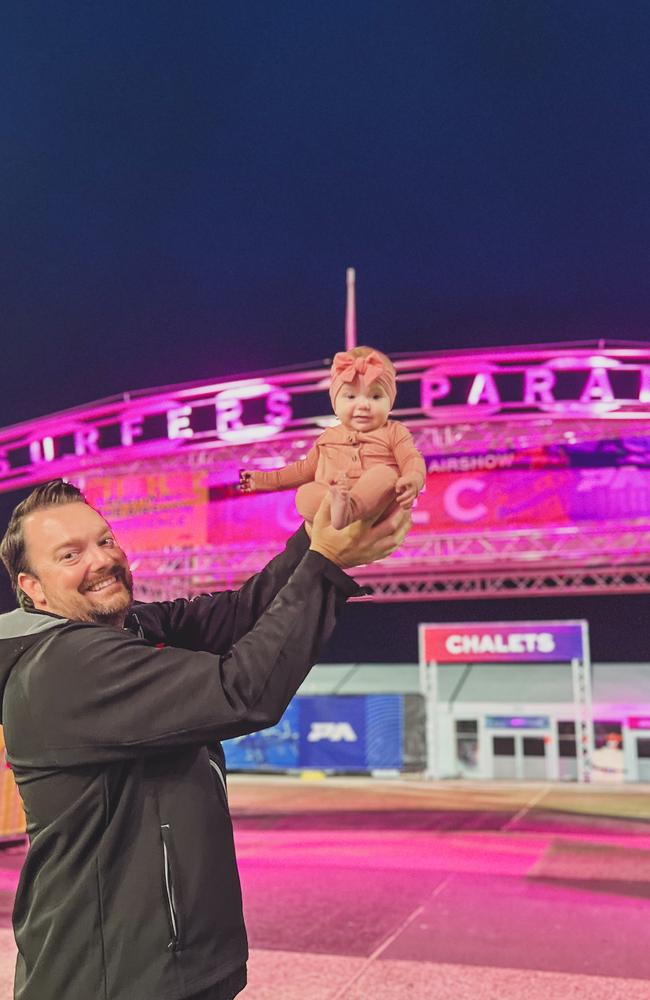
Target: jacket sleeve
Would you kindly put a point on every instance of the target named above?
(213, 622)
(406, 454)
(98, 694)
(289, 476)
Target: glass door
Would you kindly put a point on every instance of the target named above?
(520, 757)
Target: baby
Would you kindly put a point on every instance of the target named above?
(367, 462)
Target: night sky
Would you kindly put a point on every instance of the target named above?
(184, 185)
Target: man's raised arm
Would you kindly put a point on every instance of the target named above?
(214, 622)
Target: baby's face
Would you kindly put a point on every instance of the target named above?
(361, 408)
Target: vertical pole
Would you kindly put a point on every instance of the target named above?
(586, 666)
(350, 311)
(431, 713)
(581, 677)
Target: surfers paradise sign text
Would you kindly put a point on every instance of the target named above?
(436, 389)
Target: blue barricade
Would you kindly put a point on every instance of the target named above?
(363, 733)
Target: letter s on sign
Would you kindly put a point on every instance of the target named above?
(545, 642)
(278, 408)
(452, 502)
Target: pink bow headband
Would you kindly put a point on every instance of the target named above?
(346, 367)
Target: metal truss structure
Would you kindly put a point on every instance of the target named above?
(542, 561)
(500, 433)
(169, 580)
(519, 421)
(428, 567)
(430, 438)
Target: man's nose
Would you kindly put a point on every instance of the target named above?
(100, 557)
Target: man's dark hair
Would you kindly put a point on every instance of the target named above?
(12, 547)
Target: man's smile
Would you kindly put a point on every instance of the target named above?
(103, 584)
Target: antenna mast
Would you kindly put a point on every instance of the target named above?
(350, 312)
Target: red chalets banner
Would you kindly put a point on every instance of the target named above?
(502, 642)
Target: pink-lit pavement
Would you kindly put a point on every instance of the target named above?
(359, 889)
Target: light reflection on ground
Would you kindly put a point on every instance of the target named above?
(358, 889)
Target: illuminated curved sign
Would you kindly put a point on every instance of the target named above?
(438, 389)
(567, 384)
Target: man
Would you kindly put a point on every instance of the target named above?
(112, 713)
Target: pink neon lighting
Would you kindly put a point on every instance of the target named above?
(230, 410)
(458, 387)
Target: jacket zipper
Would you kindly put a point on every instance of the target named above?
(215, 767)
(173, 945)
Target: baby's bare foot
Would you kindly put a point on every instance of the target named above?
(341, 507)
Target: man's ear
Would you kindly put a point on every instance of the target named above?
(32, 587)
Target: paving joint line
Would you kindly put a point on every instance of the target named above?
(525, 809)
(340, 993)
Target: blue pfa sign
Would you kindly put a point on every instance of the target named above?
(333, 733)
(326, 733)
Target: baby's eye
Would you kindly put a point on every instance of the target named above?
(108, 541)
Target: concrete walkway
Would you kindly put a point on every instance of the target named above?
(358, 889)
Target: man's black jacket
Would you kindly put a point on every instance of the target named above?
(130, 889)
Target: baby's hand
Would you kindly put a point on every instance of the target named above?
(246, 481)
(406, 490)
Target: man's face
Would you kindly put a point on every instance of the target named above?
(76, 568)
(361, 408)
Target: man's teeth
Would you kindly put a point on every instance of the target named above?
(104, 583)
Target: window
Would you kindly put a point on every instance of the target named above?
(466, 726)
(566, 744)
(605, 730)
(467, 742)
(534, 746)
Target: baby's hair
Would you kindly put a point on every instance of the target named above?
(363, 352)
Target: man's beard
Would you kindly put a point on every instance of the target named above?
(114, 611)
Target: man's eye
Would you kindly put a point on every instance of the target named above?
(68, 556)
(108, 541)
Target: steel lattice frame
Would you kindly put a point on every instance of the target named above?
(521, 563)
(430, 438)
(462, 565)
(591, 558)
(165, 578)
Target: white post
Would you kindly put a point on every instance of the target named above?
(581, 677)
(350, 312)
(430, 690)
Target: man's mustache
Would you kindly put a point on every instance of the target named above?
(121, 573)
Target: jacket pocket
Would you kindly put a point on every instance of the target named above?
(171, 890)
(220, 779)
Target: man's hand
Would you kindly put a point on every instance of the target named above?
(362, 541)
